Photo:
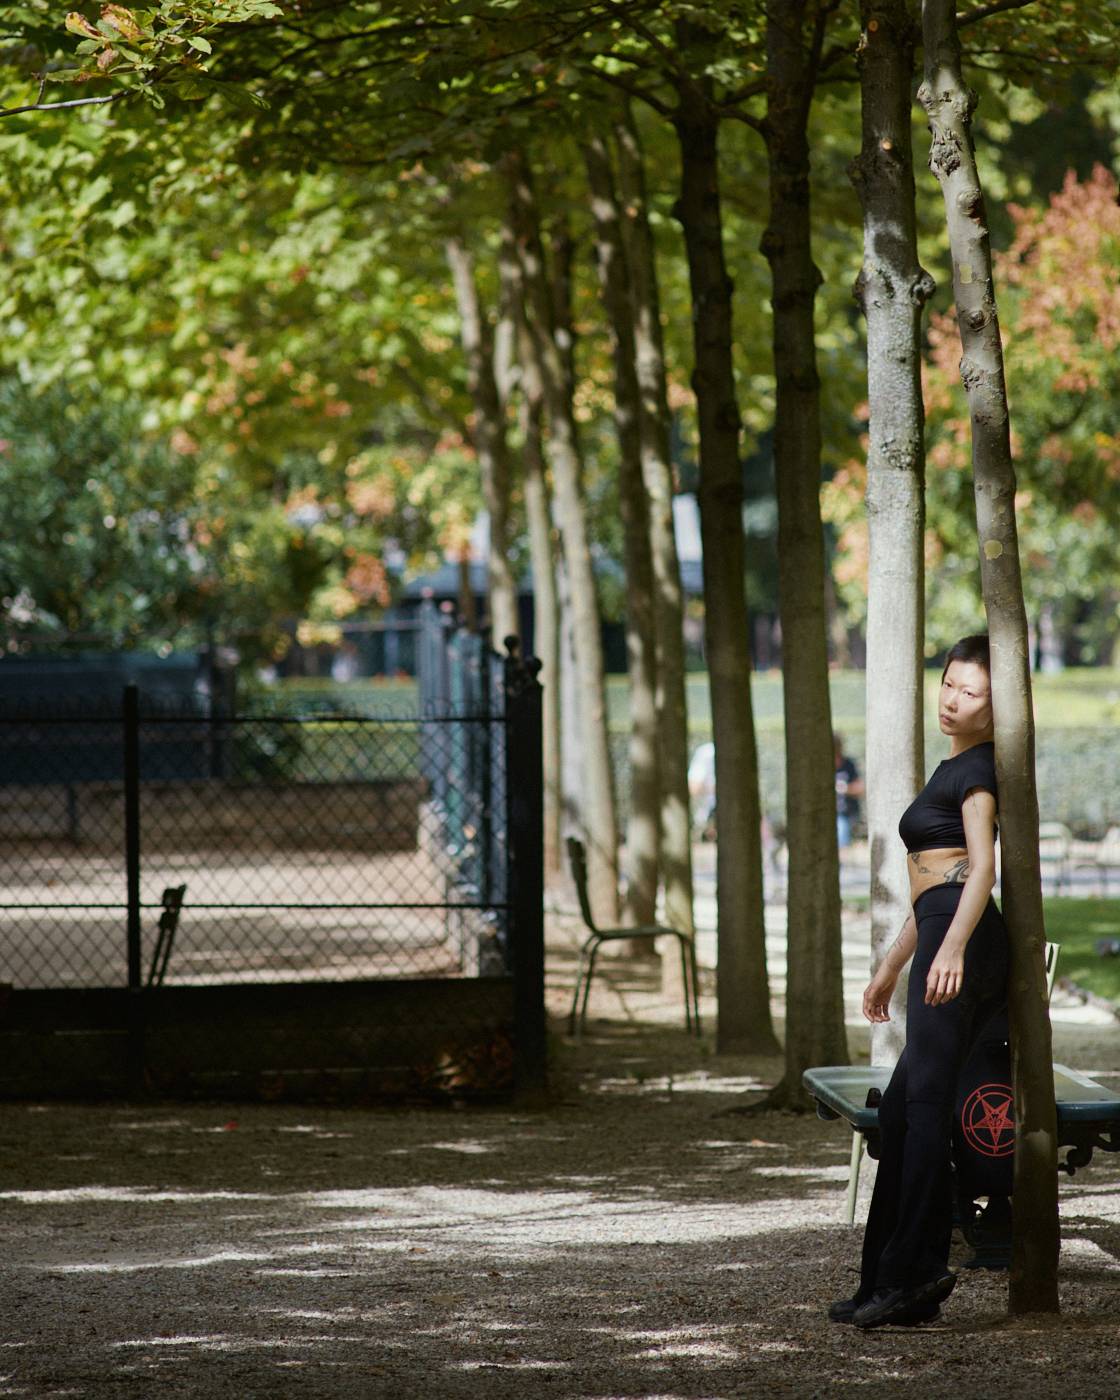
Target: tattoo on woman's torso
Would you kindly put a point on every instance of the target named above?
(954, 874)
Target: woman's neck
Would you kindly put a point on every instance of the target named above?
(961, 744)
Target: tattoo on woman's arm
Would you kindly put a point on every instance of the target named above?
(898, 942)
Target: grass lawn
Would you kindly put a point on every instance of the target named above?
(1078, 925)
(1083, 697)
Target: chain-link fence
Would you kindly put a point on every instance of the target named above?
(157, 850)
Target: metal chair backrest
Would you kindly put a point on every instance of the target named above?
(172, 900)
(1052, 951)
(577, 858)
(1054, 840)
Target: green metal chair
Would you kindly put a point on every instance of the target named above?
(589, 950)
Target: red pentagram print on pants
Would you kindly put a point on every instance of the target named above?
(988, 1120)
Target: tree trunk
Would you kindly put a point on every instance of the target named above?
(542, 555)
(814, 985)
(468, 611)
(835, 626)
(558, 264)
(546, 616)
(949, 105)
(600, 821)
(641, 639)
(892, 288)
(743, 990)
(488, 432)
(657, 472)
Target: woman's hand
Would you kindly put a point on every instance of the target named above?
(877, 995)
(946, 973)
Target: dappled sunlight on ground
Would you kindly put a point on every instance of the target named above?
(633, 1240)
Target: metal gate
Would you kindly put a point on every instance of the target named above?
(362, 912)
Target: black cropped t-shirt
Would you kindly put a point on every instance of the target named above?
(933, 820)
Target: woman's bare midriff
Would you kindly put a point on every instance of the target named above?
(941, 867)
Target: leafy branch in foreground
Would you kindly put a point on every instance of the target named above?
(140, 50)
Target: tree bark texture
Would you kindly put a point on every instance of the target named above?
(814, 989)
(949, 104)
(657, 472)
(542, 553)
(743, 989)
(892, 288)
(643, 823)
(468, 610)
(598, 808)
(546, 616)
(557, 257)
(488, 432)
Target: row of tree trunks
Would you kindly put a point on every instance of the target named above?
(524, 378)
(488, 431)
(949, 104)
(642, 831)
(814, 982)
(558, 258)
(597, 790)
(546, 612)
(657, 473)
(517, 375)
(508, 360)
(892, 289)
(742, 984)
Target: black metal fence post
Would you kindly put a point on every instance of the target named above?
(132, 829)
(131, 725)
(525, 817)
(485, 772)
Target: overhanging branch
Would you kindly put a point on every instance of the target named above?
(994, 8)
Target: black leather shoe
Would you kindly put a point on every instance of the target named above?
(897, 1305)
(844, 1310)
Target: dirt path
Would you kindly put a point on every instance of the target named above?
(633, 1240)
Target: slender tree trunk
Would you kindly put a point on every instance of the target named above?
(488, 432)
(558, 264)
(600, 821)
(814, 984)
(657, 472)
(892, 288)
(949, 105)
(542, 554)
(468, 609)
(742, 985)
(641, 638)
(546, 616)
(835, 626)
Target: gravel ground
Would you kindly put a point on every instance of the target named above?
(632, 1239)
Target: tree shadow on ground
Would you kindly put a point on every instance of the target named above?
(624, 1242)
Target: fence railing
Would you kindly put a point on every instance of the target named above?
(331, 848)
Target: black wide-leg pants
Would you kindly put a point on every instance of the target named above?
(910, 1223)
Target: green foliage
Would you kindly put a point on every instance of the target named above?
(115, 539)
(267, 278)
(141, 51)
(99, 527)
(1060, 314)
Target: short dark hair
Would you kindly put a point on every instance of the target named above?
(974, 650)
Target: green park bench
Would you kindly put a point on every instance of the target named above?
(1088, 1118)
